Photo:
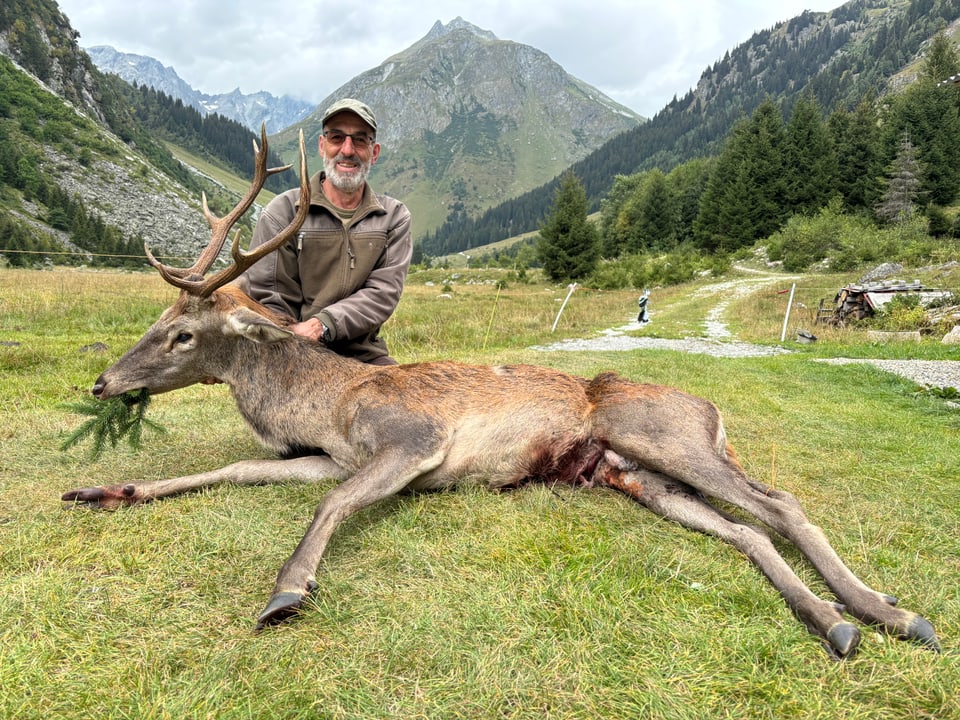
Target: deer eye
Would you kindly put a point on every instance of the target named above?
(183, 337)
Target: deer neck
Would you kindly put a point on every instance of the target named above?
(288, 391)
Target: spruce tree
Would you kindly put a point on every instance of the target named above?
(569, 245)
(856, 138)
(656, 227)
(744, 200)
(903, 183)
(810, 165)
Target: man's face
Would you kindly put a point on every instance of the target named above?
(347, 159)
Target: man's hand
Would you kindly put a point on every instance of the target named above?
(311, 328)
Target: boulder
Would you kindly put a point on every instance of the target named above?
(952, 337)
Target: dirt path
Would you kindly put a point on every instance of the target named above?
(717, 340)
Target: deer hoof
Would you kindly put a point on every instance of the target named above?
(921, 632)
(103, 497)
(843, 639)
(281, 606)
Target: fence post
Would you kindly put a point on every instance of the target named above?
(572, 286)
(786, 318)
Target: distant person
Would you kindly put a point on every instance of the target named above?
(342, 275)
(644, 317)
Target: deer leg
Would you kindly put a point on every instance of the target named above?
(246, 472)
(712, 468)
(386, 474)
(679, 502)
(783, 513)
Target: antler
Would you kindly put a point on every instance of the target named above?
(191, 279)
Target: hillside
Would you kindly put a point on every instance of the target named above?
(83, 179)
(457, 152)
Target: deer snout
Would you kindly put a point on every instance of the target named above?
(99, 388)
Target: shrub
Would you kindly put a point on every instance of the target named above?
(642, 270)
(902, 313)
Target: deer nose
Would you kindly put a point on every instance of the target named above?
(98, 387)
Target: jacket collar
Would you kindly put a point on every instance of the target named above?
(369, 203)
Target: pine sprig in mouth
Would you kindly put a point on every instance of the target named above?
(118, 418)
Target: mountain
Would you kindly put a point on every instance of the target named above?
(468, 120)
(248, 110)
(78, 169)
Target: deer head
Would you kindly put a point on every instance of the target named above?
(185, 345)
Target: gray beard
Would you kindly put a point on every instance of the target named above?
(345, 183)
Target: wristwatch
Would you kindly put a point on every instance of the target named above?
(326, 336)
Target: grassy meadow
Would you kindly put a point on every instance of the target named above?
(535, 603)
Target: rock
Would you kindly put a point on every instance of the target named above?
(880, 272)
(882, 337)
(952, 337)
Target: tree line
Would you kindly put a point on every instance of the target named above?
(885, 161)
(214, 137)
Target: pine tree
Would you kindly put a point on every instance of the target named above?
(656, 226)
(857, 143)
(941, 59)
(810, 159)
(903, 182)
(744, 200)
(569, 245)
(929, 114)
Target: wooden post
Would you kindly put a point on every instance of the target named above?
(572, 286)
(786, 318)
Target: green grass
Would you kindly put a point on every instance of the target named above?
(537, 603)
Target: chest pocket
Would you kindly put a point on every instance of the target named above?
(333, 266)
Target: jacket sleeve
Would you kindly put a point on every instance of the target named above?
(274, 281)
(364, 311)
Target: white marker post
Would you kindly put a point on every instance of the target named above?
(783, 335)
(572, 286)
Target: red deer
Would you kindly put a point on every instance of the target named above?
(421, 426)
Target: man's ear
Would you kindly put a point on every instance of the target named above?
(253, 326)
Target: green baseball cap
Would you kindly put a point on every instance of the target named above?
(356, 107)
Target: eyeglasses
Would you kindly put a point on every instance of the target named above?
(361, 141)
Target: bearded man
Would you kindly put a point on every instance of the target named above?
(342, 275)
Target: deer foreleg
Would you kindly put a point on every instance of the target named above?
(679, 502)
(246, 472)
(386, 474)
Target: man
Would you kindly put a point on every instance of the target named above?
(341, 277)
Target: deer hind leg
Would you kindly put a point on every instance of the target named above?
(679, 502)
(682, 437)
(718, 475)
(783, 513)
(245, 472)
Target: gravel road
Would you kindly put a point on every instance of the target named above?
(718, 341)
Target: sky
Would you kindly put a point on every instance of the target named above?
(641, 53)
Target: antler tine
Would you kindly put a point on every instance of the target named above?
(244, 260)
(190, 279)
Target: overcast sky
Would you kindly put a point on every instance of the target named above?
(639, 52)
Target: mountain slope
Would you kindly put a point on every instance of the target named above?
(468, 121)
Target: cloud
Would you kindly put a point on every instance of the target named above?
(639, 53)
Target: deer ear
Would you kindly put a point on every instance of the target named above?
(254, 326)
